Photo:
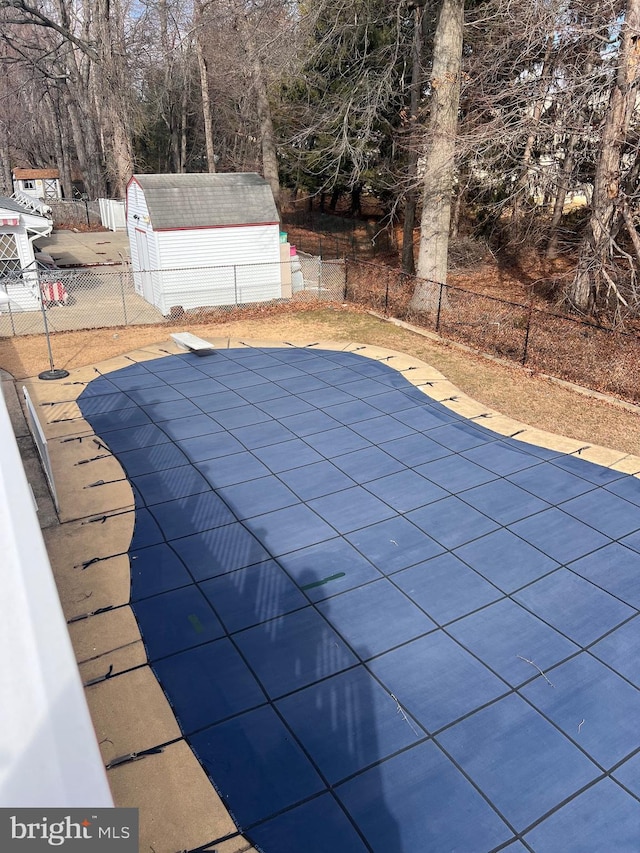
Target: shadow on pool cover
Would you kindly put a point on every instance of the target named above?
(381, 626)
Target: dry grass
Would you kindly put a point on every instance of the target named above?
(511, 390)
(606, 360)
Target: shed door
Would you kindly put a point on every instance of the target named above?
(143, 264)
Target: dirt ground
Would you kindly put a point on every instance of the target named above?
(510, 389)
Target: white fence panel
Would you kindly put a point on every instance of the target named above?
(40, 441)
(112, 214)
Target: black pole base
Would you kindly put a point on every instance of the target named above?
(55, 373)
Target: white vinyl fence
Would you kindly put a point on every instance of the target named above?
(40, 442)
(112, 214)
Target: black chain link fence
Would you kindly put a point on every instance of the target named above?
(605, 359)
(115, 296)
(79, 213)
(337, 236)
(597, 357)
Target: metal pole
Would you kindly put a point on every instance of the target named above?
(124, 301)
(439, 307)
(5, 301)
(53, 372)
(13, 325)
(526, 336)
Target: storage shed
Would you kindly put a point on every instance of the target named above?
(20, 225)
(39, 183)
(201, 240)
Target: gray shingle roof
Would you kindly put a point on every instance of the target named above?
(204, 200)
(13, 205)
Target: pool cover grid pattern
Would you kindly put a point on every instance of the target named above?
(381, 626)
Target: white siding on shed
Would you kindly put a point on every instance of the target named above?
(213, 247)
(25, 248)
(138, 223)
(23, 288)
(220, 266)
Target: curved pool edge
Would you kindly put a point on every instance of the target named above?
(430, 381)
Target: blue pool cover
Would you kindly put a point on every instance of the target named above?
(381, 626)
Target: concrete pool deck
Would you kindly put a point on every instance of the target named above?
(89, 552)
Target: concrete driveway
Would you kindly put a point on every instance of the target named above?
(81, 249)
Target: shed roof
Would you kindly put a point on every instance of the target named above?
(35, 223)
(25, 209)
(35, 174)
(207, 200)
(13, 205)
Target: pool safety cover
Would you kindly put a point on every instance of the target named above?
(381, 626)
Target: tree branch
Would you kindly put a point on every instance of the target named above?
(37, 18)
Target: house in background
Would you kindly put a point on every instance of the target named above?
(39, 183)
(201, 240)
(20, 225)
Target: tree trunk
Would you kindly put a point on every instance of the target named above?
(183, 129)
(591, 283)
(267, 132)
(564, 179)
(461, 192)
(538, 106)
(207, 113)
(122, 151)
(85, 141)
(110, 79)
(440, 161)
(66, 178)
(58, 137)
(6, 178)
(356, 200)
(410, 199)
(6, 182)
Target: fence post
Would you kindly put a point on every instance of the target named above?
(439, 307)
(124, 301)
(85, 199)
(386, 297)
(13, 325)
(235, 283)
(526, 335)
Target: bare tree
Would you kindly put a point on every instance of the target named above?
(348, 94)
(207, 111)
(439, 166)
(267, 133)
(595, 278)
(85, 46)
(6, 183)
(413, 130)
